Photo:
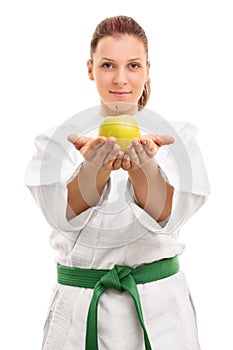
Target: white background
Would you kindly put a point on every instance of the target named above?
(44, 48)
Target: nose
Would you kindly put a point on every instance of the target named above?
(120, 78)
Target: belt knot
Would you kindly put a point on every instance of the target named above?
(113, 278)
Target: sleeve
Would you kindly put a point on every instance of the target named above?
(182, 166)
(55, 163)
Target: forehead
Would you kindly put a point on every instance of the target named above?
(121, 46)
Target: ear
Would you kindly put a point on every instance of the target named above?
(148, 69)
(90, 70)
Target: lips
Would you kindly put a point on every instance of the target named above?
(120, 94)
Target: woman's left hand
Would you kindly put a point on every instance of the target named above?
(142, 150)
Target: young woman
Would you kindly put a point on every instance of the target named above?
(116, 216)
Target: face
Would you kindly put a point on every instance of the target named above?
(120, 69)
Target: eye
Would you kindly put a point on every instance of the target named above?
(108, 65)
(134, 66)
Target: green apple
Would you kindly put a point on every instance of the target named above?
(123, 127)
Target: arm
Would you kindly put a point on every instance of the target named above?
(153, 193)
(85, 190)
(101, 156)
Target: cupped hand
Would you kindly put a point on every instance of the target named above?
(100, 152)
(141, 151)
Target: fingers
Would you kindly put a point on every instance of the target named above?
(126, 163)
(116, 163)
(78, 141)
(145, 149)
(166, 139)
(133, 152)
(72, 138)
(139, 153)
(99, 151)
(103, 149)
(92, 147)
(85, 144)
(160, 140)
(111, 156)
(136, 155)
(96, 143)
(149, 147)
(104, 154)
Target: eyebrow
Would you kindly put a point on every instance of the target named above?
(130, 60)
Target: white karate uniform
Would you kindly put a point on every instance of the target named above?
(117, 231)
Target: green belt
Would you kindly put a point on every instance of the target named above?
(121, 278)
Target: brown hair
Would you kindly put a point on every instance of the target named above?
(118, 25)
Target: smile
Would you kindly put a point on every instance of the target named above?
(120, 94)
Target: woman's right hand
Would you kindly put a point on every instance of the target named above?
(100, 152)
(101, 156)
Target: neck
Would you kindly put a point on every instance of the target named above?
(118, 108)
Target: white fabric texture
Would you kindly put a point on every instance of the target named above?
(118, 231)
